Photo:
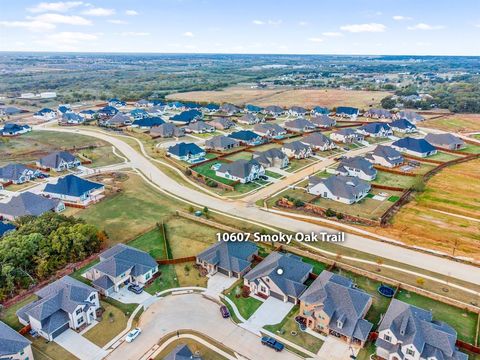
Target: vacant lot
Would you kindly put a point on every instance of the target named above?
(389, 179)
(303, 97)
(455, 123)
(151, 242)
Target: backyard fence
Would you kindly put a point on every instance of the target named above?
(176, 261)
(206, 221)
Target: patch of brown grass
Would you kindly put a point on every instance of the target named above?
(455, 123)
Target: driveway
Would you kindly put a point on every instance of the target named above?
(128, 297)
(271, 312)
(79, 346)
(217, 283)
(336, 349)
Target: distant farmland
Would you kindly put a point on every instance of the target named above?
(286, 97)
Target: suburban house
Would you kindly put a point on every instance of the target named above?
(167, 130)
(182, 352)
(87, 114)
(378, 114)
(9, 110)
(199, 127)
(142, 103)
(346, 135)
(187, 116)
(75, 190)
(408, 332)
(222, 123)
(45, 114)
(210, 108)
(63, 109)
(157, 110)
(403, 126)
(14, 346)
(247, 137)
(445, 141)
(411, 116)
(188, 152)
(156, 102)
(241, 170)
(17, 173)
(119, 266)
(319, 110)
(357, 166)
(71, 118)
(347, 111)
(229, 109)
(28, 203)
(344, 189)
(58, 161)
(333, 306)
(323, 121)
(385, 156)
(11, 129)
(175, 105)
(6, 228)
(269, 130)
(299, 125)
(116, 103)
(376, 129)
(118, 120)
(279, 275)
(147, 122)
(65, 303)
(415, 147)
(318, 141)
(273, 110)
(272, 158)
(138, 114)
(249, 119)
(297, 150)
(233, 259)
(221, 143)
(297, 111)
(254, 109)
(107, 112)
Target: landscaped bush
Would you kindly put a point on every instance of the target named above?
(211, 183)
(298, 203)
(330, 213)
(188, 172)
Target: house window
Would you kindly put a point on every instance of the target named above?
(80, 320)
(92, 297)
(410, 352)
(387, 338)
(148, 276)
(78, 312)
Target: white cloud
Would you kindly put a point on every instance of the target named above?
(59, 6)
(61, 19)
(67, 37)
(359, 28)
(135, 33)
(188, 34)
(401, 17)
(332, 34)
(34, 25)
(258, 22)
(303, 23)
(423, 26)
(315, 39)
(117, 21)
(267, 22)
(131, 12)
(99, 12)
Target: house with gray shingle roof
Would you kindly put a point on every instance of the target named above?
(297, 111)
(270, 130)
(17, 173)
(118, 120)
(58, 161)
(299, 125)
(27, 203)
(249, 119)
(318, 141)
(333, 306)
(272, 158)
(288, 284)
(446, 141)
(241, 170)
(323, 121)
(221, 143)
(385, 156)
(229, 109)
(408, 332)
(13, 346)
(222, 123)
(65, 303)
(119, 266)
(346, 135)
(297, 150)
(411, 116)
(228, 258)
(403, 126)
(273, 110)
(199, 127)
(344, 189)
(376, 129)
(378, 114)
(167, 130)
(357, 166)
(181, 352)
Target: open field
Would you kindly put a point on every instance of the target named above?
(455, 123)
(456, 191)
(443, 156)
(302, 97)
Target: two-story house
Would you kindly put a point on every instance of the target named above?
(385, 156)
(14, 346)
(358, 167)
(241, 170)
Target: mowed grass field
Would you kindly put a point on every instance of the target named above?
(309, 98)
(455, 123)
(444, 215)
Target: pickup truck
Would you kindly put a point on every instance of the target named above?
(272, 343)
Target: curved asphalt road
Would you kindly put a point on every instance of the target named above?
(420, 260)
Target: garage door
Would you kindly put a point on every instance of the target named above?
(292, 299)
(276, 295)
(222, 271)
(60, 330)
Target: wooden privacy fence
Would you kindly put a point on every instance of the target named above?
(176, 261)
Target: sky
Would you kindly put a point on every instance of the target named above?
(388, 27)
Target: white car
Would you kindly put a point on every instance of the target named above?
(132, 335)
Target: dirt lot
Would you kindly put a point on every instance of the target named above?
(286, 97)
(456, 123)
(456, 192)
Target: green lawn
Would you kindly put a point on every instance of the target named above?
(49, 350)
(471, 148)
(112, 323)
(364, 354)
(77, 274)
(246, 306)
(273, 174)
(243, 155)
(247, 187)
(443, 156)
(206, 170)
(297, 164)
(166, 280)
(396, 180)
(8, 315)
(127, 309)
(151, 242)
(462, 321)
(288, 325)
(318, 266)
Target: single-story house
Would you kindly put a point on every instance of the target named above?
(175, 105)
(9, 110)
(181, 352)
(319, 110)
(332, 305)
(186, 117)
(344, 189)
(63, 304)
(347, 111)
(376, 129)
(415, 147)
(222, 123)
(11, 129)
(297, 111)
(188, 152)
(210, 108)
(357, 166)
(247, 137)
(409, 332)
(385, 156)
(157, 110)
(378, 114)
(116, 102)
(346, 135)
(241, 170)
(318, 141)
(17, 173)
(87, 114)
(119, 266)
(73, 189)
(403, 126)
(233, 259)
(323, 121)
(269, 130)
(118, 120)
(142, 103)
(147, 122)
(445, 141)
(59, 161)
(272, 158)
(107, 112)
(4, 229)
(14, 346)
(273, 110)
(249, 119)
(199, 127)
(45, 114)
(411, 116)
(138, 114)
(249, 108)
(71, 118)
(27, 203)
(167, 130)
(63, 109)
(221, 143)
(279, 275)
(156, 102)
(191, 105)
(299, 125)
(297, 150)
(229, 109)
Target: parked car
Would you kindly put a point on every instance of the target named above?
(224, 311)
(135, 288)
(132, 335)
(272, 343)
